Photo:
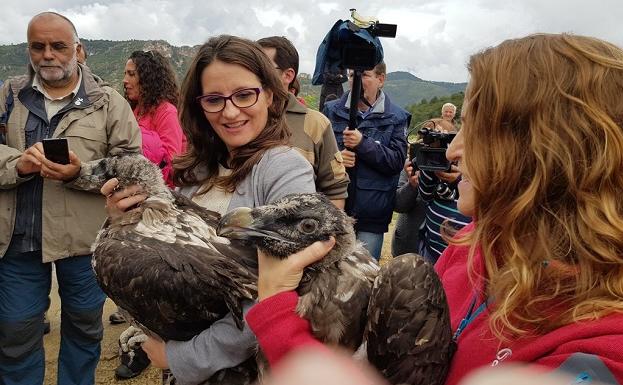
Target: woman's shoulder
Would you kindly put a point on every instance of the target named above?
(281, 160)
(282, 153)
(165, 107)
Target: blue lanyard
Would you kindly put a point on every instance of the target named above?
(469, 317)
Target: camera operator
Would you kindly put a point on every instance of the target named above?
(374, 154)
(439, 190)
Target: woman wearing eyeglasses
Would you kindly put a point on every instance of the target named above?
(232, 111)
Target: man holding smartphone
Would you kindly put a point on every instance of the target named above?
(44, 218)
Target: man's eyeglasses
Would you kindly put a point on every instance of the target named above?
(244, 98)
(58, 47)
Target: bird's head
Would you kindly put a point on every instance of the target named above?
(290, 224)
(129, 169)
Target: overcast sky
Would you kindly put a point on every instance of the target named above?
(434, 39)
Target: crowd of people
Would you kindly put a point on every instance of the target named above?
(525, 227)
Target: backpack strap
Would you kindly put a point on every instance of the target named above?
(12, 87)
(4, 117)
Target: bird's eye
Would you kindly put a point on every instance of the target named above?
(308, 226)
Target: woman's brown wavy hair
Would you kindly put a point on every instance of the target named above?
(544, 153)
(156, 79)
(205, 148)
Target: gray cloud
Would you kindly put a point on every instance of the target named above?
(435, 37)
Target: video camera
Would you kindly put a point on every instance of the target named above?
(352, 45)
(361, 49)
(429, 153)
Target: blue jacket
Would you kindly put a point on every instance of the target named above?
(379, 159)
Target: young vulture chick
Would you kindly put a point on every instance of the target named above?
(408, 336)
(162, 261)
(334, 292)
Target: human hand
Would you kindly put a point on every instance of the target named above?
(278, 275)
(311, 366)
(349, 158)
(57, 171)
(414, 179)
(131, 338)
(352, 138)
(449, 177)
(29, 162)
(157, 352)
(119, 201)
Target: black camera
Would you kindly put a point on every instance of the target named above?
(429, 154)
(349, 45)
(355, 46)
(360, 47)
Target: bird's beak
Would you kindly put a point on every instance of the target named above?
(236, 221)
(240, 224)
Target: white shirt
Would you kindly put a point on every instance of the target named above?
(216, 199)
(54, 105)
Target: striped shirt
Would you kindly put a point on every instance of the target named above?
(441, 207)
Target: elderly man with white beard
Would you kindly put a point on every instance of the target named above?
(44, 217)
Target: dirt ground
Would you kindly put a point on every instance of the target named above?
(105, 374)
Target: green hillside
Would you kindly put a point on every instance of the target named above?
(406, 89)
(107, 58)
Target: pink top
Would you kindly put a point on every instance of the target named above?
(164, 122)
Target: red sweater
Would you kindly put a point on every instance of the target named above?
(477, 347)
(279, 330)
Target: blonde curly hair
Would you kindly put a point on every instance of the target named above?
(548, 184)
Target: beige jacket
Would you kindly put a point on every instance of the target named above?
(313, 137)
(71, 218)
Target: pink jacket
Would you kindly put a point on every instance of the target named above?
(162, 121)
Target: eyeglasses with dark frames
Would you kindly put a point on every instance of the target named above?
(57, 47)
(244, 98)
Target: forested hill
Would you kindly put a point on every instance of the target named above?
(107, 59)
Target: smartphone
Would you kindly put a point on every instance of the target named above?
(56, 150)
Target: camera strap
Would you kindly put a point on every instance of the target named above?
(363, 99)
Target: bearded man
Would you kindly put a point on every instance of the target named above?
(45, 219)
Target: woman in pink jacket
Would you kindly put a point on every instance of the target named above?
(151, 89)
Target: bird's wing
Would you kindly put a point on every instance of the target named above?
(238, 250)
(175, 288)
(336, 298)
(408, 335)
